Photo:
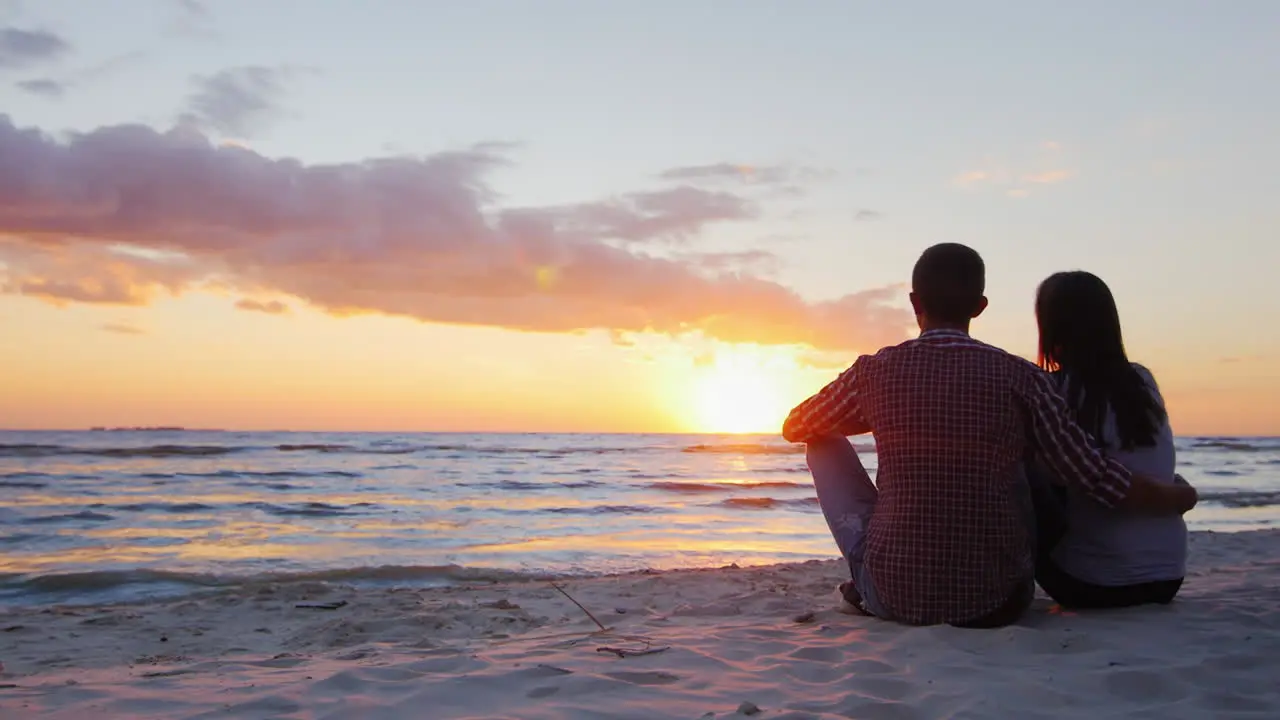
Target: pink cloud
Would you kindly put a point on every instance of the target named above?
(761, 263)
(62, 270)
(122, 213)
(671, 214)
(723, 171)
(270, 307)
(758, 174)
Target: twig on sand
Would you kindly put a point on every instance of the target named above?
(647, 648)
(580, 607)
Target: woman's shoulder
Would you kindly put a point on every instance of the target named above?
(1150, 380)
(1146, 375)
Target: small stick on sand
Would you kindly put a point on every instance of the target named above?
(575, 602)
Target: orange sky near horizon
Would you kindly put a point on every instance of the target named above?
(197, 362)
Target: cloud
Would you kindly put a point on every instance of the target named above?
(761, 262)
(25, 48)
(270, 307)
(1012, 178)
(62, 273)
(971, 178)
(194, 9)
(191, 18)
(621, 339)
(236, 101)
(44, 87)
(110, 66)
(122, 329)
(1047, 178)
(671, 214)
(867, 216)
(738, 172)
(122, 214)
(52, 87)
(782, 238)
(725, 171)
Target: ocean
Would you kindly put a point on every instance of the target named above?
(113, 516)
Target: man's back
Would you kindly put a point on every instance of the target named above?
(949, 540)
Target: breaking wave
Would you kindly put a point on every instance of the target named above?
(1236, 444)
(1242, 498)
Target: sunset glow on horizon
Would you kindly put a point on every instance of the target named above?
(210, 224)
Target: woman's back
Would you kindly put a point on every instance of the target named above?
(1111, 547)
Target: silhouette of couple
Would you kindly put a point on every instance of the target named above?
(996, 473)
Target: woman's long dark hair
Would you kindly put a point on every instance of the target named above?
(1080, 336)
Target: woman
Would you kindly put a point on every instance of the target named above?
(1103, 558)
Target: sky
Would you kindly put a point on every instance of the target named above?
(619, 216)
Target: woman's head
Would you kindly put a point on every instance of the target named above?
(1079, 324)
(1080, 336)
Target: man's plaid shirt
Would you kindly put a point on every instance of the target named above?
(953, 418)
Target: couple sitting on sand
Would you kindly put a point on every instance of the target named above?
(995, 474)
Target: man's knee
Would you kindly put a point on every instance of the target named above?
(831, 450)
(830, 442)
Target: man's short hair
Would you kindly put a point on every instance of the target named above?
(948, 281)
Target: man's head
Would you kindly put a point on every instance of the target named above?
(947, 286)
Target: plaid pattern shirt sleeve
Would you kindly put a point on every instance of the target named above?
(833, 411)
(1062, 446)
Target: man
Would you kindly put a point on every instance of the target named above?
(947, 535)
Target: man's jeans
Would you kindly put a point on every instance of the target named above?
(848, 498)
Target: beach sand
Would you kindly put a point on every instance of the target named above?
(731, 642)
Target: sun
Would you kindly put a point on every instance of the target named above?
(738, 393)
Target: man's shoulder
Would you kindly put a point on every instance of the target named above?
(960, 354)
(963, 344)
(1016, 363)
